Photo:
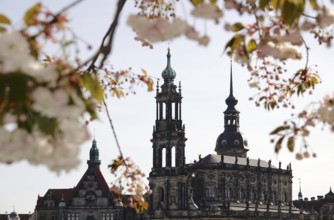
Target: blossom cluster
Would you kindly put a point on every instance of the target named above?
(129, 182)
(326, 110)
(41, 107)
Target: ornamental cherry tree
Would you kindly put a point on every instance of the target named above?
(46, 101)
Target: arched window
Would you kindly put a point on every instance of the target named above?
(161, 194)
(163, 111)
(164, 157)
(172, 110)
(274, 196)
(173, 156)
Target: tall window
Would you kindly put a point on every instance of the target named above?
(210, 191)
(161, 194)
(107, 216)
(229, 192)
(173, 156)
(164, 155)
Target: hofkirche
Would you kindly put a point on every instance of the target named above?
(224, 185)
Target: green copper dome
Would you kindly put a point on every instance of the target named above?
(168, 74)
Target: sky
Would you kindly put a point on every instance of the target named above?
(204, 73)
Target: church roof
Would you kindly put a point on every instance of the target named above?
(66, 195)
(214, 159)
(329, 197)
(168, 74)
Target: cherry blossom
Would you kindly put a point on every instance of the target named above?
(281, 51)
(207, 11)
(326, 18)
(157, 29)
(326, 109)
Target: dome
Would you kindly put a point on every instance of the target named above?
(231, 143)
(168, 74)
(13, 215)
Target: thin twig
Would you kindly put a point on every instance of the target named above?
(105, 47)
(113, 130)
(55, 17)
(307, 51)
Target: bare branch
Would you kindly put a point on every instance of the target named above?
(105, 47)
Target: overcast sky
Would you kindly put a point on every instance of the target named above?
(204, 73)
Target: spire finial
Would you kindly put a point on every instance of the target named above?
(168, 74)
(300, 195)
(231, 79)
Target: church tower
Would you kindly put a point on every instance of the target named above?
(169, 132)
(231, 142)
(93, 161)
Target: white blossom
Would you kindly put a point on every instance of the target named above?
(293, 37)
(326, 110)
(155, 30)
(207, 11)
(326, 18)
(192, 34)
(281, 51)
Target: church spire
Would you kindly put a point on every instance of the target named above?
(231, 142)
(93, 156)
(231, 101)
(168, 74)
(300, 195)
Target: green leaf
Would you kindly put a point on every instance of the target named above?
(292, 10)
(291, 143)
(279, 129)
(229, 43)
(277, 3)
(2, 29)
(278, 144)
(251, 46)
(314, 4)
(47, 125)
(237, 27)
(32, 13)
(91, 83)
(263, 4)
(4, 19)
(17, 84)
(235, 42)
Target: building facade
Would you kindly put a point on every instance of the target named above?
(90, 199)
(223, 185)
(320, 208)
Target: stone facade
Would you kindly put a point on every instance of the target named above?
(90, 199)
(225, 185)
(321, 208)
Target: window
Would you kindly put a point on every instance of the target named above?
(161, 194)
(228, 192)
(73, 216)
(242, 194)
(210, 192)
(164, 155)
(107, 216)
(173, 157)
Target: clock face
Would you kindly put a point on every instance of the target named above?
(236, 142)
(224, 142)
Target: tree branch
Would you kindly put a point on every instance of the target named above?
(106, 44)
(113, 130)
